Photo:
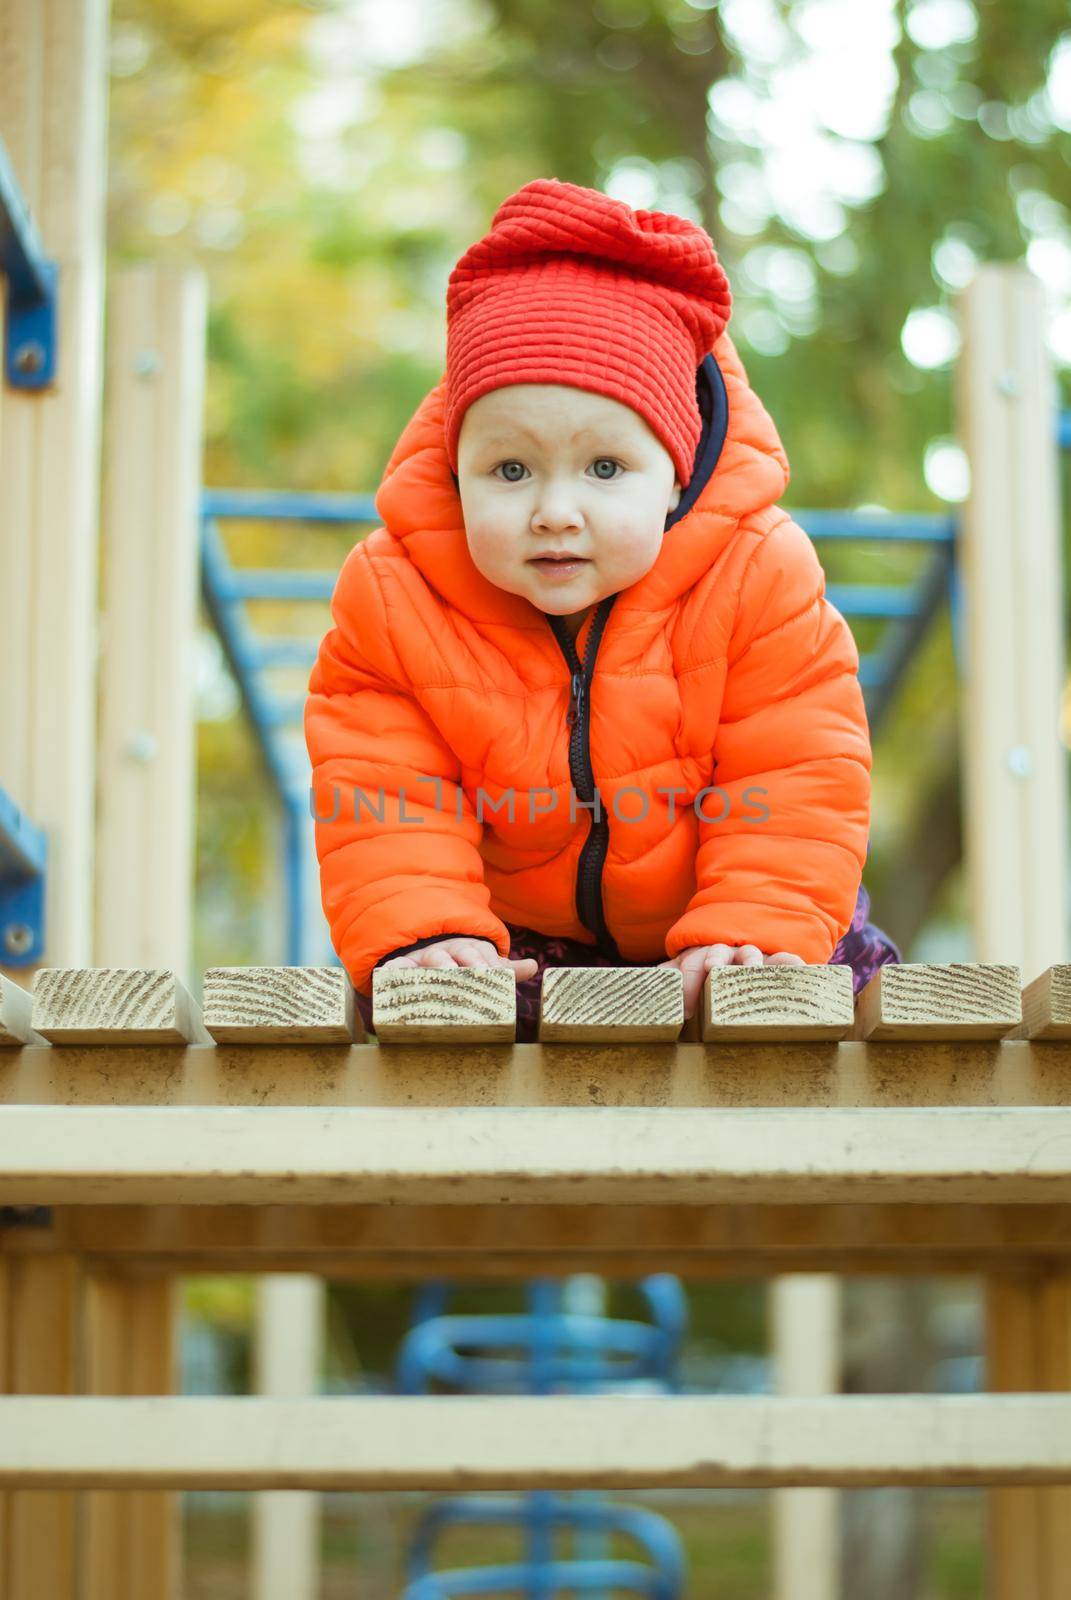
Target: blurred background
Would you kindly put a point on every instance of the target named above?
(854, 160)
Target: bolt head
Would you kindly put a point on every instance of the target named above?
(18, 938)
(30, 357)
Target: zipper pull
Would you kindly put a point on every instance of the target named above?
(577, 696)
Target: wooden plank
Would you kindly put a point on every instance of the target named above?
(146, 727)
(15, 1007)
(459, 1005)
(115, 1006)
(809, 1075)
(1047, 1006)
(783, 1003)
(616, 1005)
(297, 1154)
(280, 1005)
(479, 1442)
(414, 1266)
(947, 1000)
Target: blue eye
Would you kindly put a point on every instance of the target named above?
(603, 477)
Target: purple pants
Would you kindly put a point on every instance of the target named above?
(864, 948)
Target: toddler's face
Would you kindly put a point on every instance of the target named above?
(545, 466)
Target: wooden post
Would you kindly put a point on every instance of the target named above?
(133, 1538)
(1015, 794)
(145, 822)
(1014, 763)
(53, 116)
(286, 1526)
(53, 86)
(805, 1317)
(45, 1356)
(152, 482)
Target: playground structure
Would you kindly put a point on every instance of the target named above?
(925, 1130)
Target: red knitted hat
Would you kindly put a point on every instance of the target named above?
(572, 287)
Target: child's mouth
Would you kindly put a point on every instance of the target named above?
(558, 567)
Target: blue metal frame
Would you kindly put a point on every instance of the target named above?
(226, 591)
(564, 1351)
(23, 860)
(31, 290)
(592, 1522)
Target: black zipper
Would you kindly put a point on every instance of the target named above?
(589, 905)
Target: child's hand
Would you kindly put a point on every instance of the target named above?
(463, 953)
(696, 962)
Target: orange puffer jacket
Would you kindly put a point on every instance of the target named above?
(457, 738)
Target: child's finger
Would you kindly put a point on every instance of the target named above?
(474, 953)
(434, 956)
(785, 958)
(747, 955)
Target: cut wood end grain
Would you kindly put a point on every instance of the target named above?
(115, 1005)
(779, 1002)
(281, 1005)
(1046, 1006)
(618, 1005)
(939, 1000)
(462, 1005)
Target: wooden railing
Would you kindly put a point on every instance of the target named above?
(923, 1127)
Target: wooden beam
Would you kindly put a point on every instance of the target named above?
(425, 1156)
(803, 1075)
(591, 1441)
(894, 1233)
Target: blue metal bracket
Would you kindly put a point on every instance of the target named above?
(23, 857)
(31, 300)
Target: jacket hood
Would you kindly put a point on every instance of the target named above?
(741, 468)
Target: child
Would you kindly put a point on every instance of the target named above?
(584, 700)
